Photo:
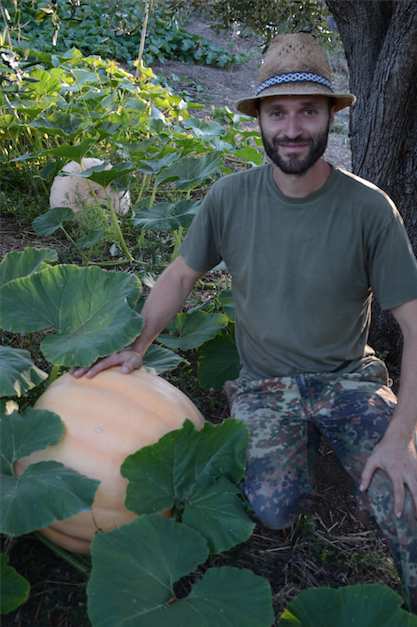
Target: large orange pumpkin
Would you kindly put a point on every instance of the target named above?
(106, 419)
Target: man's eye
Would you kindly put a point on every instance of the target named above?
(310, 112)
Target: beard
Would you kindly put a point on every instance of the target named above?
(295, 164)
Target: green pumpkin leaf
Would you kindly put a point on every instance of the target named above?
(368, 605)
(18, 373)
(99, 174)
(187, 470)
(15, 589)
(22, 263)
(190, 330)
(136, 566)
(190, 171)
(218, 513)
(23, 434)
(161, 359)
(203, 129)
(52, 220)
(88, 308)
(59, 123)
(153, 166)
(251, 155)
(71, 152)
(46, 491)
(166, 216)
(218, 361)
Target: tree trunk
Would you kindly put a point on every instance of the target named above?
(380, 42)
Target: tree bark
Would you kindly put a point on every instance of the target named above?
(380, 42)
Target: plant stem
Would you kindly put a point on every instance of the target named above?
(54, 373)
(143, 36)
(71, 559)
(153, 195)
(110, 263)
(74, 243)
(142, 187)
(6, 24)
(118, 230)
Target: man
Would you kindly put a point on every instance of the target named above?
(307, 245)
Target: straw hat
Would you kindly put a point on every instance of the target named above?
(294, 65)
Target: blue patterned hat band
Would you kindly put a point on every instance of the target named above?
(293, 77)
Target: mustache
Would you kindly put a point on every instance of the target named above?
(286, 141)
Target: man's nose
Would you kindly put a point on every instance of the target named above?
(293, 128)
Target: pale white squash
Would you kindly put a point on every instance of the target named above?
(76, 193)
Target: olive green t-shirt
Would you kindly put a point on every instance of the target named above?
(303, 270)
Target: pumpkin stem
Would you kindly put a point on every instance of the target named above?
(54, 374)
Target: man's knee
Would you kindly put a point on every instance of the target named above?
(275, 511)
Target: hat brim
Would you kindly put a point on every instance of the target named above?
(249, 106)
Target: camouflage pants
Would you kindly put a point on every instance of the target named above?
(352, 412)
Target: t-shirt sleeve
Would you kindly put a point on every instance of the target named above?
(200, 248)
(393, 265)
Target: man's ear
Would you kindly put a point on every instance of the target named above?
(332, 113)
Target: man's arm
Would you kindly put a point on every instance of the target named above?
(396, 452)
(165, 300)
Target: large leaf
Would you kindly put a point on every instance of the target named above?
(14, 588)
(60, 123)
(190, 171)
(190, 330)
(153, 166)
(22, 263)
(204, 129)
(166, 216)
(103, 175)
(18, 373)
(218, 361)
(46, 491)
(52, 220)
(136, 566)
(192, 471)
(219, 514)
(88, 308)
(161, 359)
(70, 152)
(21, 435)
(369, 605)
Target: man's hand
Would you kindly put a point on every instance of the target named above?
(128, 359)
(399, 461)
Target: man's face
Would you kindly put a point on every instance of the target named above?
(294, 130)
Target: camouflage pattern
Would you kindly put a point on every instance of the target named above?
(352, 411)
